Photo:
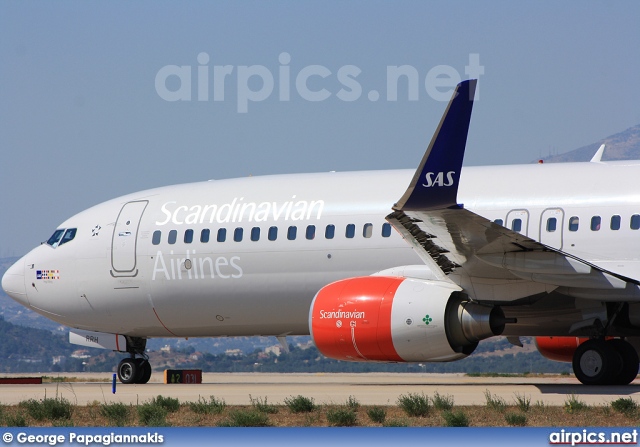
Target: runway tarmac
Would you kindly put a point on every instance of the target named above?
(367, 388)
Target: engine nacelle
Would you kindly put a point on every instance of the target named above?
(394, 319)
(560, 349)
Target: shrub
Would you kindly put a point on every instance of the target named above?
(116, 413)
(171, 404)
(442, 402)
(352, 403)
(15, 420)
(523, 402)
(48, 409)
(151, 414)
(516, 419)
(262, 406)
(455, 419)
(214, 406)
(573, 404)
(342, 417)
(396, 423)
(377, 414)
(300, 404)
(626, 406)
(414, 405)
(246, 418)
(495, 402)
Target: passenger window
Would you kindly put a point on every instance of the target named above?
(188, 236)
(157, 236)
(386, 229)
(499, 222)
(574, 223)
(55, 238)
(173, 236)
(292, 232)
(237, 234)
(273, 233)
(311, 232)
(329, 232)
(204, 235)
(615, 222)
(595, 223)
(552, 222)
(351, 231)
(68, 235)
(635, 222)
(516, 225)
(367, 230)
(222, 235)
(255, 234)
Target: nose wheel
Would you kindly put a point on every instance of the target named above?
(134, 370)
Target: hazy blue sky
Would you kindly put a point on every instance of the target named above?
(81, 119)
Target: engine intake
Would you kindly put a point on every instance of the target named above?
(394, 319)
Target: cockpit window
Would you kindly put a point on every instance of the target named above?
(55, 238)
(68, 235)
(62, 236)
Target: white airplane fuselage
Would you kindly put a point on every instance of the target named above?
(113, 277)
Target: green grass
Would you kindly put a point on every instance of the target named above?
(116, 413)
(523, 402)
(495, 402)
(47, 409)
(442, 402)
(213, 406)
(262, 406)
(573, 404)
(497, 374)
(626, 406)
(18, 419)
(455, 419)
(170, 404)
(352, 403)
(414, 405)
(342, 417)
(396, 423)
(300, 404)
(152, 415)
(246, 418)
(516, 419)
(377, 414)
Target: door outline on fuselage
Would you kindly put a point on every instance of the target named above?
(555, 238)
(124, 241)
(521, 214)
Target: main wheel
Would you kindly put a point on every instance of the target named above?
(596, 363)
(629, 369)
(128, 371)
(145, 371)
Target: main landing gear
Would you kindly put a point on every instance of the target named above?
(135, 369)
(605, 362)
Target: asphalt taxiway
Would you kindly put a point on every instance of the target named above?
(367, 388)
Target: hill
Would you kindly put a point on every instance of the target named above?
(624, 145)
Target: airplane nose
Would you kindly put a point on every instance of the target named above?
(13, 283)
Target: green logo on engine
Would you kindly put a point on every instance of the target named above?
(427, 319)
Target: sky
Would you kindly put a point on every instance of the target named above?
(100, 99)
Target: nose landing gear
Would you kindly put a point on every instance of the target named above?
(134, 370)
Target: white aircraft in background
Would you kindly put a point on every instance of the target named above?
(373, 271)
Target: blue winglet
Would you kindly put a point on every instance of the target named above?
(435, 183)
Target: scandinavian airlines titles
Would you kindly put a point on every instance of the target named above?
(239, 211)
